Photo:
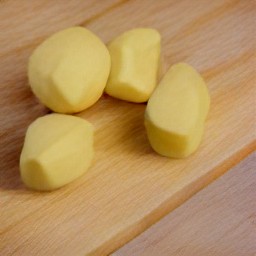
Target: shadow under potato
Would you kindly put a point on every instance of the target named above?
(119, 132)
(119, 127)
(19, 110)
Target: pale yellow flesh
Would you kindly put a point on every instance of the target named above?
(69, 70)
(176, 112)
(135, 57)
(57, 149)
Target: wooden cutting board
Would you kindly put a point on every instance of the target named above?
(129, 186)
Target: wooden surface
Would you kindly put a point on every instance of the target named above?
(219, 220)
(129, 187)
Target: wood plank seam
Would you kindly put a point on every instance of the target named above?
(106, 11)
(205, 19)
(83, 23)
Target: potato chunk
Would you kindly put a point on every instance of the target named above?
(69, 70)
(135, 57)
(176, 112)
(57, 149)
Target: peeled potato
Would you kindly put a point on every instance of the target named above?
(57, 149)
(135, 57)
(176, 112)
(69, 70)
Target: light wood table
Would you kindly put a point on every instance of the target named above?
(219, 220)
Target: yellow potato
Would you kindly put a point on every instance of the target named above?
(58, 148)
(176, 112)
(69, 70)
(135, 57)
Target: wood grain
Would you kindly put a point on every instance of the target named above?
(129, 187)
(219, 220)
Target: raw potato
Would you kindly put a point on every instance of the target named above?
(176, 112)
(69, 70)
(57, 149)
(135, 57)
